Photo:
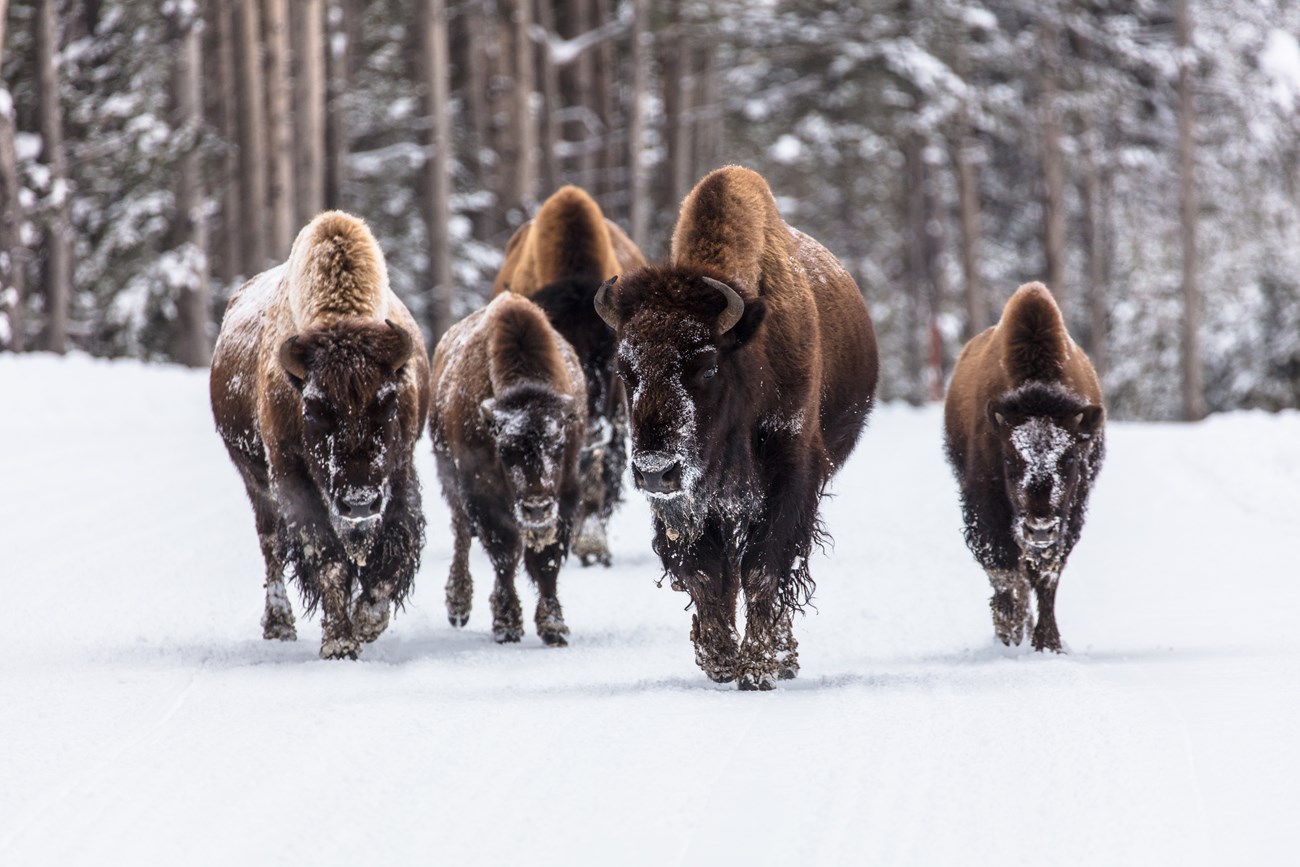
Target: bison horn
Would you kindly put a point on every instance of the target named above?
(603, 306)
(292, 360)
(405, 345)
(735, 305)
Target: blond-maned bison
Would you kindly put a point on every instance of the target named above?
(559, 260)
(750, 364)
(1025, 434)
(509, 412)
(320, 387)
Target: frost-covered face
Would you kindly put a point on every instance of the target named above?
(352, 433)
(530, 428)
(1044, 459)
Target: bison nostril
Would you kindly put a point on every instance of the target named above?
(359, 506)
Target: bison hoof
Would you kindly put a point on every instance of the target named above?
(788, 673)
(761, 683)
(555, 639)
(340, 648)
(458, 620)
(369, 620)
(507, 634)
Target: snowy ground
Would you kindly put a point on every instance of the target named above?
(143, 720)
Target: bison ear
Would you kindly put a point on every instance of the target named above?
(750, 320)
(403, 346)
(294, 358)
(1088, 422)
(604, 306)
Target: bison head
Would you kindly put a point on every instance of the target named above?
(1048, 439)
(530, 424)
(354, 436)
(679, 333)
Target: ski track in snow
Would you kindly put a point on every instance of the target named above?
(143, 720)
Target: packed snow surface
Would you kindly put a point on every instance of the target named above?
(143, 720)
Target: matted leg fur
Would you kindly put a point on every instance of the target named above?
(371, 612)
(337, 638)
(544, 567)
(1012, 617)
(1046, 634)
(713, 627)
(507, 616)
(277, 617)
(591, 541)
(460, 586)
(768, 652)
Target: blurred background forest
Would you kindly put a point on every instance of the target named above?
(1142, 157)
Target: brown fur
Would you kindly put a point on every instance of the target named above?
(330, 314)
(777, 403)
(504, 381)
(1023, 371)
(558, 260)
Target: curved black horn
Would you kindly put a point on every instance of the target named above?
(405, 345)
(735, 305)
(291, 359)
(603, 307)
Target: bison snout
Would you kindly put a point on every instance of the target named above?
(359, 505)
(537, 511)
(1042, 532)
(656, 475)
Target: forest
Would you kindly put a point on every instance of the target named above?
(1141, 157)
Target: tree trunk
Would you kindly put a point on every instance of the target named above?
(192, 346)
(252, 138)
(1094, 249)
(968, 210)
(13, 256)
(674, 58)
(436, 203)
(525, 124)
(549, 122)
(280, 126)
(1193, 388)
(309, 105)
(1053, 162)
(605, 76)
(477, 109)
(342, 17)
(58, 233)
(232, 261)
(638, 207)
(914, 252)
(707, 114)
(579, 20)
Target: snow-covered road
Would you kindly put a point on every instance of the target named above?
(144, 721)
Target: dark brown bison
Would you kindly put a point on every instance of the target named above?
(751, 365)
(507, 424)
(558, 260)
(1025, 435)
(320, 389)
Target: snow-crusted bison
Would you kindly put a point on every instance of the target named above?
(751, 366)
(1025, 436)
(508, 418)
(558, 260)
(320, 388)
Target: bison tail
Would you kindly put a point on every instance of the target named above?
(1036, 341)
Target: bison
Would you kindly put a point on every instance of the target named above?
(319, 388)
(508, 418)
(558, 260)
(750, 362)
(1024, 432)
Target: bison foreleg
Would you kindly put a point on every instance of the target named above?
(338, 641)
(544, 567)
(713, 627)
(277, 617)
(769, 651)
(1046, 634)
(507, 616)
(1010, 605)
(460, 586)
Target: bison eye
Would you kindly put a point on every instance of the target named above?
(710, 372)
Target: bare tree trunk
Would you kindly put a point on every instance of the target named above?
(192, 346)
(549, 122)
(708, 112)
(914, 208)
(968, 209)
(232, 261)
(579, 20)
(474, 47)
(1053, 162)
(604, 76)
(437, 176)
(1090, 194)
(1193, 387)
(252, 138)
(638, 208)
(342, 19)
(58, 234)
(309, 105)
(13, 254)
(674, 58)
(526, 166)
(280, 127)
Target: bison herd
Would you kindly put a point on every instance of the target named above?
(740, 371)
